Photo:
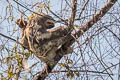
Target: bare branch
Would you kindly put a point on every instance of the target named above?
(15, 41)
(95, 18)
(26, 8)
(9, 38)
(81, 71)
(83, 8)
(73, 13)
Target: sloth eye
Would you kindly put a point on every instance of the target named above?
(49, 23)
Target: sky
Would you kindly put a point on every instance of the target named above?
(10, 28)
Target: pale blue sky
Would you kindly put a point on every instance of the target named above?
(8, 27)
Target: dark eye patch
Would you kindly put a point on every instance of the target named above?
(49, 23)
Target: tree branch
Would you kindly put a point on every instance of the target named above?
(15, 41)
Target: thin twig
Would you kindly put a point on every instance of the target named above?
(15, 41)
(80, 71)
(83, 8)
(100, 62)
(26, 8)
